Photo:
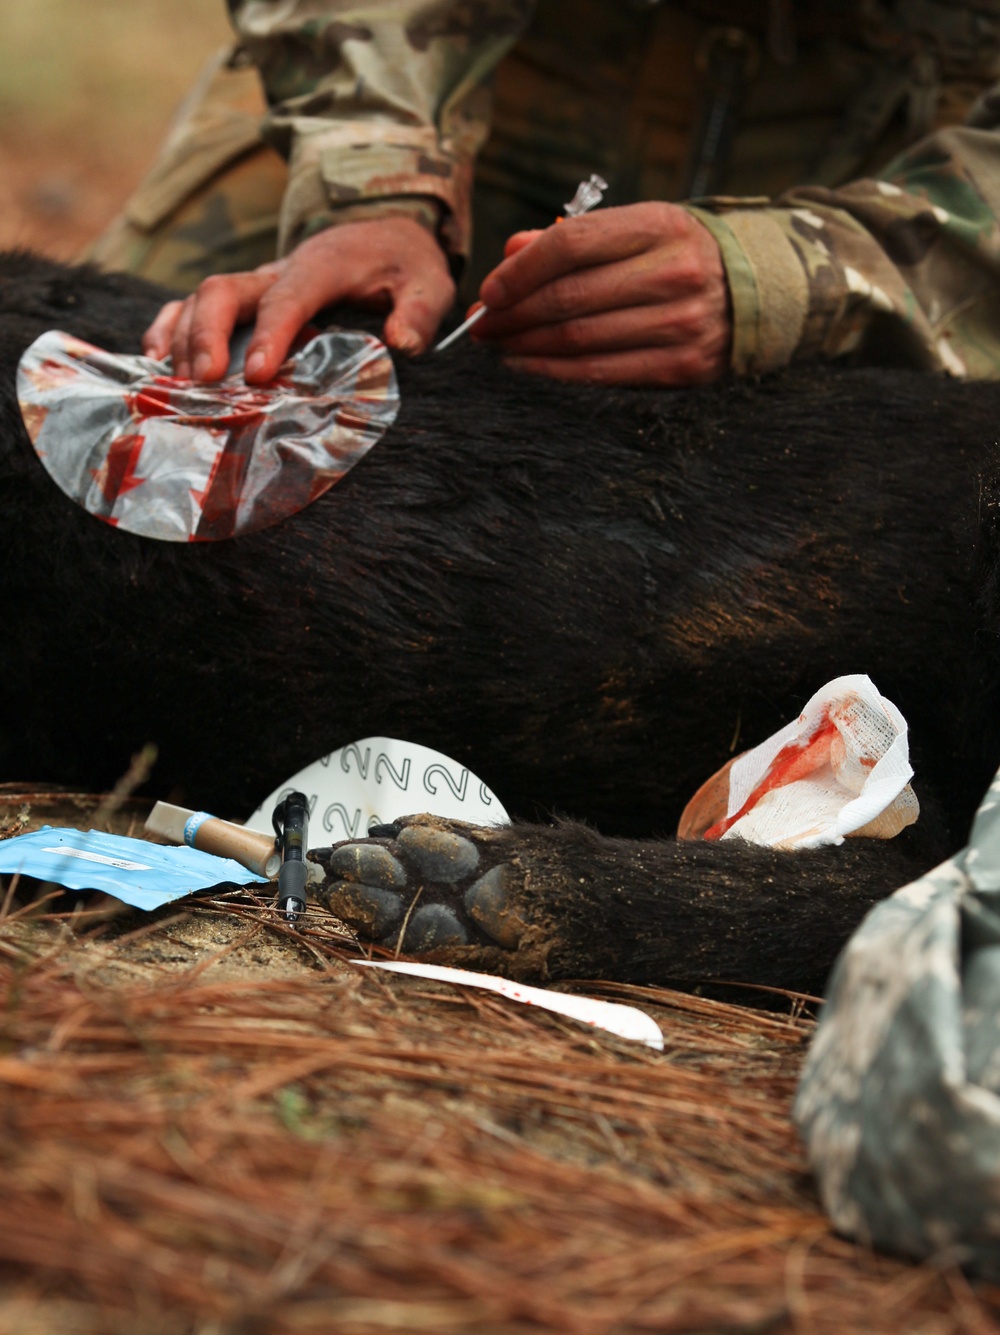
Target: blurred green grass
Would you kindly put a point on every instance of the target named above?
(87, 90)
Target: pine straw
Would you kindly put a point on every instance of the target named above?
(229, 1147)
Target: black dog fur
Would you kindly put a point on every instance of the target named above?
(591, 598)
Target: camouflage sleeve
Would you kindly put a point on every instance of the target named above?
(378, 106)
(902, 268)
(899, 1101)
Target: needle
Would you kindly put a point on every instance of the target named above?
(457, 333)
(588, 196)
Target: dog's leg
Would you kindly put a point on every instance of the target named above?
(563, 901)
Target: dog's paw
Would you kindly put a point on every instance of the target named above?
(423, 884)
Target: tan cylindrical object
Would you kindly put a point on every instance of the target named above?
(249, 847)
(198, 829)
(708, 806)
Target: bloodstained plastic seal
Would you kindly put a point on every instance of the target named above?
(188, 462)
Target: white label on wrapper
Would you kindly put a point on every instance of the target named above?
(377, 780)
(120, 863)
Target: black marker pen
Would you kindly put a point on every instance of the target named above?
(291, 827)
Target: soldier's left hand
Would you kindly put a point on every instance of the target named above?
(634, 295)
(386, 262)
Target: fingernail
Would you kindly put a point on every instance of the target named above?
(406, 340)
(202, 365)
(255, 363)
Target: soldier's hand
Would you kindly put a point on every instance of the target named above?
(389, 263)
(634, 295)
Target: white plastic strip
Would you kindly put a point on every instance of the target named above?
(623, 1021)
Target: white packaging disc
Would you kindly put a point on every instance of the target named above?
(377, 780)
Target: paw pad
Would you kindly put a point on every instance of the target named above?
(439, 876)
(488, 902)
(369, 863)
(431, 927)
(439, 855)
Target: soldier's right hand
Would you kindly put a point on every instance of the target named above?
(390, 263)
(633, 295)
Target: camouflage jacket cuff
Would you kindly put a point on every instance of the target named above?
(427, 212)
(342, 166)
(767, 285)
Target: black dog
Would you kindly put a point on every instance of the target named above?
(590, 598)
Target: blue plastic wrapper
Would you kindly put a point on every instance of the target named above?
(136, 872)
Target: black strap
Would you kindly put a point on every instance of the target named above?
(727, 58)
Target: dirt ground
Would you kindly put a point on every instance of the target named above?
(86, 93)
(211, 1125)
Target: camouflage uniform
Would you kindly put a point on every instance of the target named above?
(481, 116)
(899, 1101)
